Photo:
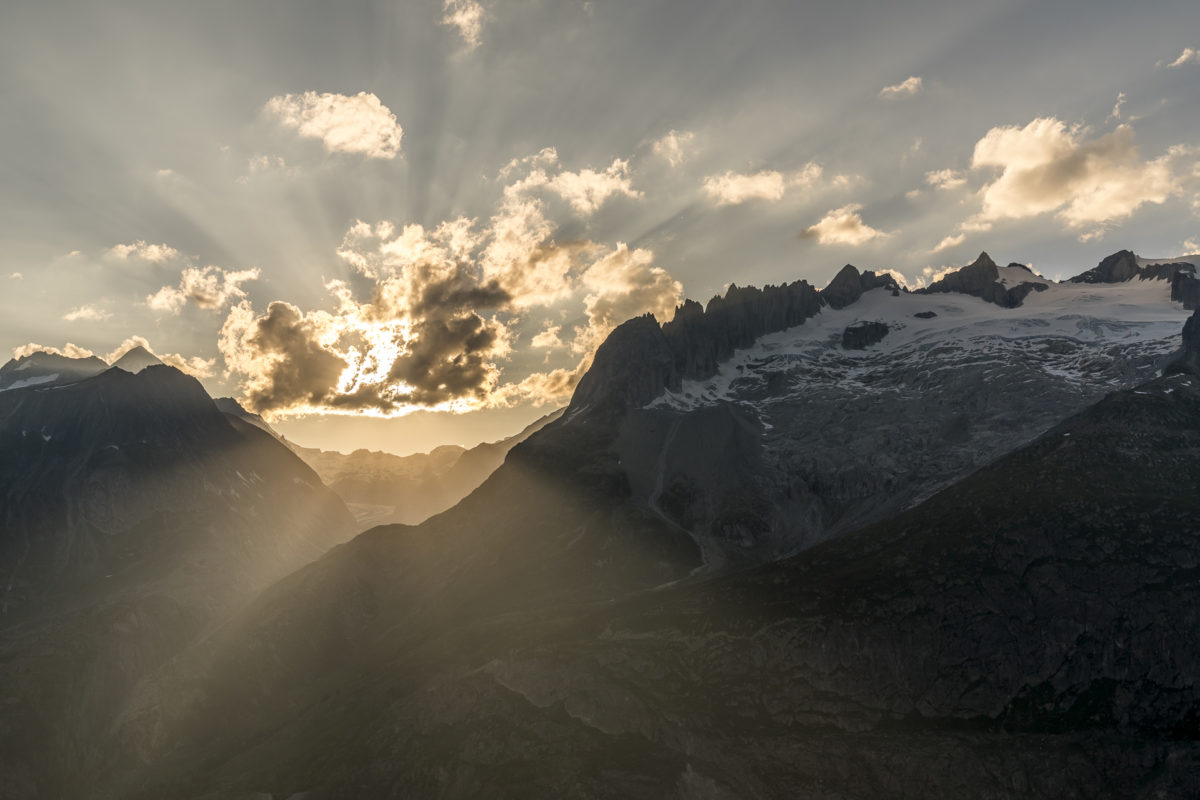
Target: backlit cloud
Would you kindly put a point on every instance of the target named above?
(843, 226)
(436, 325)
(1049, 166)
(675, 147)
(1188, 56)
(623, 284)
(87, 312)
(945, 179)
(909, 86)
(949, 242)
(467, 16)
(358, 124)
(210, 288)
(69, 350)
(733, 188)
(154, 253)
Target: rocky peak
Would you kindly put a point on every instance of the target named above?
(981, 278)
(1117, 268)
(631, 368)
(137, 359)
(849, 284)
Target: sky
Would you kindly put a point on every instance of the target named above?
(401, 224)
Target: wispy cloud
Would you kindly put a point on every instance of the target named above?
(945, 179)
(88, 313)
(358, 124)
(467, 16)
(1188, 56)
(909, 86)
(674, 147)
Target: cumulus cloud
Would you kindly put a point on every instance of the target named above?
(623, 284)
(945, 179)
(675, 147)
(438, 319)
(1188, 56)
(587, 189)
(467, 16)
(358, 124)
(732, 188)
(69, 350)
(154, 253)
(87, 312)
(1191, 246)
(210, 288)
(909, 86)
(1049, 166)
(16, 276)
(843, 226)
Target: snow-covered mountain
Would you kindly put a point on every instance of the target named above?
(861, 411)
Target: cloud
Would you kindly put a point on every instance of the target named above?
(732, 188)
(675, 147)
(945, 179)
(16, 276)
(154, 253)
(1116, 112)
(1188, 56)
(624, 284)
(87, 312)
(1191, 246)
(195, 366)
(909, 86)
(1049, 166)
(548, 338)
(210, 288)
(467, 16)
(437, 320)
(69, 350)
(844, 226)
(949, 242)
(358, 124)
(587, 189)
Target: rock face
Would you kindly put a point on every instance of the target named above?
(1187, 360)
(862, 335)
(1117, 268)
(848, 285)
(133, 513)
(700, 338)
(981, 279)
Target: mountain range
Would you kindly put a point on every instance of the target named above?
(851, 542)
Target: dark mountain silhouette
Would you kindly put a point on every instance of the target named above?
(134, 515)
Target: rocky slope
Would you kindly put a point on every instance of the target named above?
(1027, 632)
(134, 514)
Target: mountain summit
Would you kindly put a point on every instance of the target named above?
(137, 359)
